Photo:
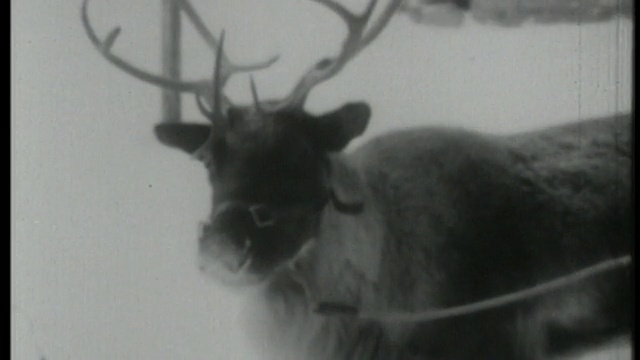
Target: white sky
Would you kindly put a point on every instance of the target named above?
(104, 219)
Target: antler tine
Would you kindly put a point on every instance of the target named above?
(215, 116)
(354, 22)
(216, 98)
(228, 67)
(357, 39)
(105, 49)
(254, 94)
(218, 80)
(379, 25)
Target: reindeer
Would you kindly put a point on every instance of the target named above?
(369, 254)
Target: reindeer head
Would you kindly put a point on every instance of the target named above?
(268, 162)
(269, 177)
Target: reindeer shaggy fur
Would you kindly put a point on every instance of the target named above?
(476, 216)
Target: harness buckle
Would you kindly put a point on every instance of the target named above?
(262, 215)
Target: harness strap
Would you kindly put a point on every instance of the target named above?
(345, 208)
(327, 308)
(265, 215)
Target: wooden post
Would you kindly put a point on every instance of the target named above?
(171, 59)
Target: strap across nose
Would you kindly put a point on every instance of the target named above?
(262, 215)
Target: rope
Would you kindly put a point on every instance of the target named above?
(431, 315)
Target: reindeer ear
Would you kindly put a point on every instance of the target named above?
(338, 128)
(187, 137)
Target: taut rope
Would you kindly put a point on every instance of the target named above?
(431, 315)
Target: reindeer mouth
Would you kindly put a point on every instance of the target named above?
(242, 242)
(245, 259)
(231, 258)
(226, 257)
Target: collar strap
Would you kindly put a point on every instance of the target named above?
(346, 208)
(265, 215)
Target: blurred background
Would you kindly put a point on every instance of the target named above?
(105, 220)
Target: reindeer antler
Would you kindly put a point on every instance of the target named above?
(105, 49)
(357, 39)
(202, 88)
(228, 68)
(360, 34)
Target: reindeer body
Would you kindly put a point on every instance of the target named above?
(453, 217)
(416, 220)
